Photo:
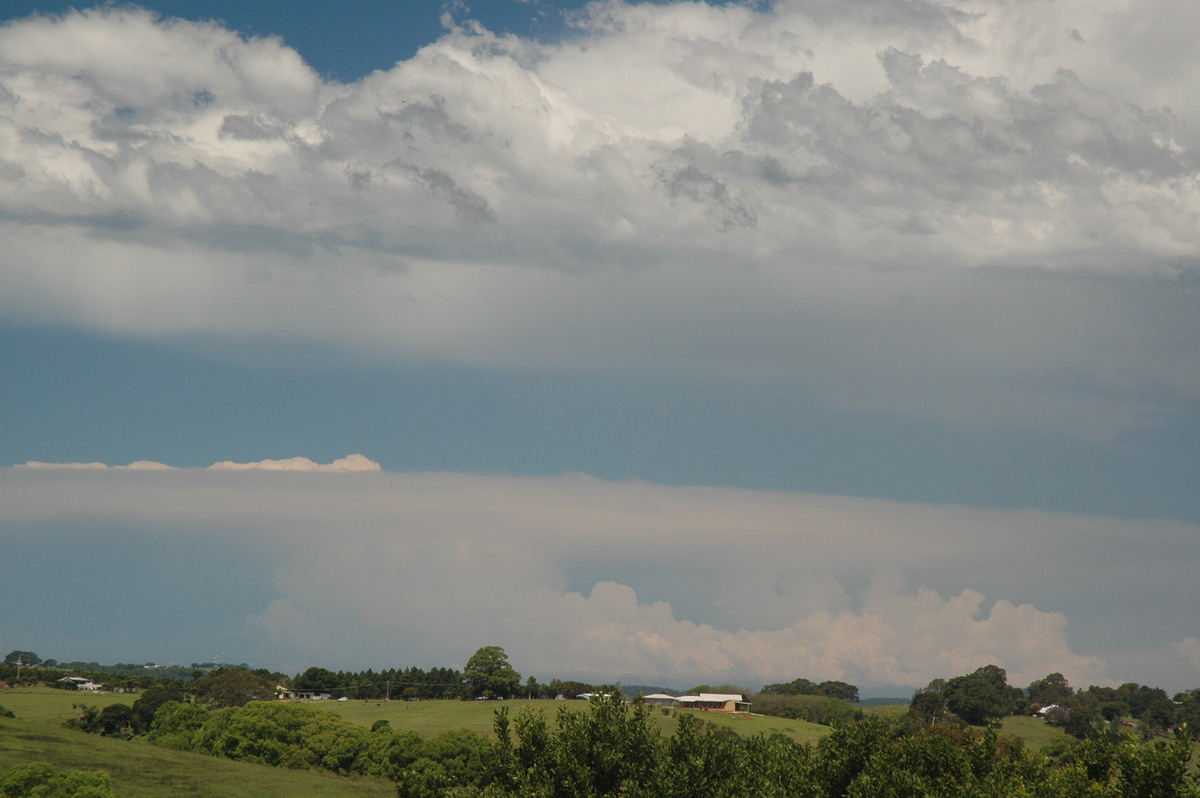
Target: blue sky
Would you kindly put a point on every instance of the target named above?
(644, 290)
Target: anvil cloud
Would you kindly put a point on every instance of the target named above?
(697, 583)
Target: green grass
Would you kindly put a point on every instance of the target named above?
(434, 717)
(1034, 731)
(47, 705)
(427, 718)
(141, 770)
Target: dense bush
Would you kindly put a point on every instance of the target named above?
(615, 748)
(812, 708)
(39, 780)
(113, 720)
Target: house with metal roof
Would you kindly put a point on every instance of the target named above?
(714, 702)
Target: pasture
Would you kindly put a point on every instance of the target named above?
(140, 770)
(434, 717)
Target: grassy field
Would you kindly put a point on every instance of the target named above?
(46, 705)
(433, 717)
(139, 770)
(1034, 731)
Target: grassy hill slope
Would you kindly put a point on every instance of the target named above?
(140, 770)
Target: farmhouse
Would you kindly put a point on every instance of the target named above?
(81, 683)
(714, 702)
(659, 700)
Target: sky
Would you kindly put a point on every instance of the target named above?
(669, 343)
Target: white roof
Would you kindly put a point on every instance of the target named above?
(659, 697)
(719, 698)
(722, 697)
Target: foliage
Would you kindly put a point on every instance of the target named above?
(319, 679)
(928, 705)
(1054, 689)
(566, 689)
(175, 724)
(149, 702)
(980, 696)
(488, 675)
(26, 658)
(40, 780)
(233, 688)
(832, 689)
(609, 747)
(812, 708)
(151, 771)
(614, 750)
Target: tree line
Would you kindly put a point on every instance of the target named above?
(985, 695)
(614, 748)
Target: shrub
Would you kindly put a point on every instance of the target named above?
(39, 780)
(812, 708)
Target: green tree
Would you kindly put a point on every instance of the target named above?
(1054, 689)
(980, 696)
(114, 719)
(1081, 722)
(26, 658)
(794, 687)
(489, 675)
(149, 702)
(319, 679)
(175, 725)
(846, 692)
(928, 705)
(39, 780)
(233, 688)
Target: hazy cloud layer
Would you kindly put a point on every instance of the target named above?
(351, 463)
(602, 580)
(977, 211)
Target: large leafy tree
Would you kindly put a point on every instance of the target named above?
(317, 679)
(24, 657)
(980, 696)
(233, 688)
(842, 690)
(488, 674)
(153, 698)
(1054, 689)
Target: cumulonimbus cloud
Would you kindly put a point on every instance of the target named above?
(608, 580)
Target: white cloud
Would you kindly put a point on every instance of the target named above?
(37, 464)
(575, 576)
(970, 212)
(139, 465)
(353, 462)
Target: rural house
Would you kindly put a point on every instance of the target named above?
(714, 702)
